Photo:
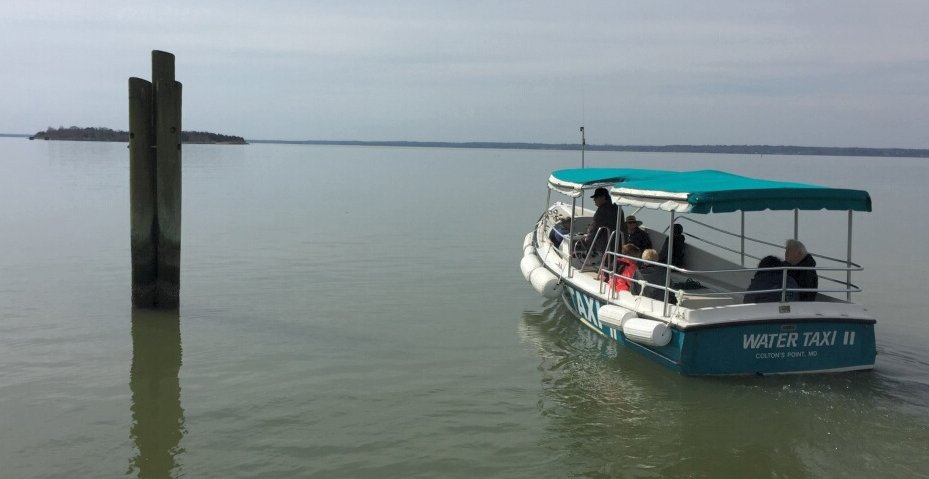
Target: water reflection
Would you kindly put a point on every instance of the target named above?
(611, 412)
(157, 416)
(619, 414)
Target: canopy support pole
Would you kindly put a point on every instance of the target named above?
(571, 236)
(618, 240)
(742, 237)
(548, 199)
(848, 264)
(796, 223)
(583, 148)
(667, 271)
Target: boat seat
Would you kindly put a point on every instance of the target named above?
(697, 301)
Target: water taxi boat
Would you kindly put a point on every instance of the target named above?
(703, 319)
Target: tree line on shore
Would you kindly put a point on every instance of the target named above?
(75, 133)
(715, 149)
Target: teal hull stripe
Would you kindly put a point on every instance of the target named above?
(770, 347)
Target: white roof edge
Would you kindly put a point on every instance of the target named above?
(654, 200)
(572, 189)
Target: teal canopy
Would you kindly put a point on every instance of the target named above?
(708, 191)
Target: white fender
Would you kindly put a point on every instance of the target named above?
(614, 316)
(647, 331)
(545, 283)
(527, 241)
(529, 263)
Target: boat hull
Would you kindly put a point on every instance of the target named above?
(757, 346)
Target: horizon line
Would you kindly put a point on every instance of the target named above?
(673, 148)
(669, 148)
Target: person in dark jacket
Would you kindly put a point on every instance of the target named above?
(636, 235)
(769, 279)
(654, 274)
(604, 217)
(796, 255)
(677, 257)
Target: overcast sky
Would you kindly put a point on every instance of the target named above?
(651, 72)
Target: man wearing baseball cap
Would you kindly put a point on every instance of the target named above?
(604, 217)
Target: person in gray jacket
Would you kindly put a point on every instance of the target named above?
(796, 255)
(654, 275)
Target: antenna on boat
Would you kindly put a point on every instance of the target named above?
(583, 146)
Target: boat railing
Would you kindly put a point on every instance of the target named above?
(546, 225)
(752, 240)
(608, 273)
(590, 248)
(720, 288)
(832, 264)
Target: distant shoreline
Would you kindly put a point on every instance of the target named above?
(76, 133)
(710, 149)
(715, 149)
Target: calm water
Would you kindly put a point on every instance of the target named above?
(359, 312)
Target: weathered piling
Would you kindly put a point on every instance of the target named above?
(155, 185)
(142, 194)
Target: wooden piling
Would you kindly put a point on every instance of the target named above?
(168, 177)
(143, 234)
(155, 185)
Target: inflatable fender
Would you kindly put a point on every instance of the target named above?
(545, 283)
(647, 331)
(614, 316)
(527, 241)
(528, 264)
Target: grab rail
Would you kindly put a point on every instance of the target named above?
(749, 238)
(547, 223)
(610, 274)
(590, 247)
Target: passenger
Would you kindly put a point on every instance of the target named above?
(559, 231)
(636, 235)
(677, 257)
(654, 275)
(796, 255)
(626, 269)
(604, 217)
(769, 279)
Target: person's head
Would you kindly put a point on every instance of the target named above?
(678, 229)
(630, 249)
(650, 255)
(794, 251)
(601, 196)
(770, 262)
(632, 223)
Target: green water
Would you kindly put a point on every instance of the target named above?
(352, 312)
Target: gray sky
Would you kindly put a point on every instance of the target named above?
(818, 73)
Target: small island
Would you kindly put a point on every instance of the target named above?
(75, 133)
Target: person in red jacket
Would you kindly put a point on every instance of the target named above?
(626, 270)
